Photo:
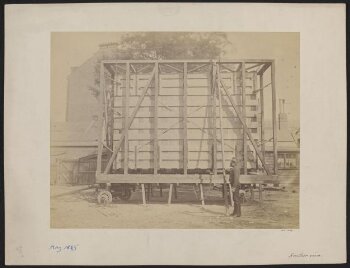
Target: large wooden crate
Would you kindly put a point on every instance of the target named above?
(164, 116)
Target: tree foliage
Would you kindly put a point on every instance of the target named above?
(163, 45)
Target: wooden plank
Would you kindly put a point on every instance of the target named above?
(245, 127)
(100, 121)
(114, 92)
(274, 114)
(143, 194)
(189, 61)
(202, 194)
(170, 193)
(118, 144)
(262, 117)
(222, 138)
(264, 68)
(180, 178)
(245, 155)
(213, 82)
(231, 194)
(126, 119)
(185, 142)
(155, 121)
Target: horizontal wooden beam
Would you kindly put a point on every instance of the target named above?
(190, 61)
(179, 178)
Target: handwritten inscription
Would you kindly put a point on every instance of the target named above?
(304, 255)
(63, 248)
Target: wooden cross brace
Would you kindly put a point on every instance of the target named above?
(128, 124)
(244, 126)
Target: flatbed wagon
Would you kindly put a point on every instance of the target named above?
(181, 122)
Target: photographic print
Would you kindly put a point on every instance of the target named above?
(175, 130)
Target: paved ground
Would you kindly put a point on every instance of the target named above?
(73, 207)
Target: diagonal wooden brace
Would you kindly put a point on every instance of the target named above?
(245, 127)
(128, 124)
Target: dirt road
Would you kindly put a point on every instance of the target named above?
(79, 209)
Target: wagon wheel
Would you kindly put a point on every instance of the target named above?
(104, 197)
(125, 194)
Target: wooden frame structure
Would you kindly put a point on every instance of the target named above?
(119, 108)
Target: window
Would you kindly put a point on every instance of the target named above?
(253, 108)
(254, 130)
(254, 119)
(253, 97)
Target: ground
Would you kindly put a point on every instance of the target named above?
(74, 207)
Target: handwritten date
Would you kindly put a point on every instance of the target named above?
(63, 248)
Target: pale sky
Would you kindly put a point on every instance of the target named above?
(73, 49)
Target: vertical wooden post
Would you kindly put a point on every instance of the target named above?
(100, 121)
(185, 142)
(160, 190)
(170, 193)
(143, 194)
(244, 119)
(126, 119)
(114, 95)
(213, 80)
(222, 137)
(262, 116)
(274, 121)
(202, 194)
(256, 162)
(155, 124)
(231, 195)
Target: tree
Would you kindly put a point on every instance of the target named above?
(164, 45)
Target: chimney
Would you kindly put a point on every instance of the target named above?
(282, 116)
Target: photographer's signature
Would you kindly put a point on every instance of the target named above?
(304, 255)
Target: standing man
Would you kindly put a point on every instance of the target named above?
(236, 186)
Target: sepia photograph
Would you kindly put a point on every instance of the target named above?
(175, 134)
(175, 130)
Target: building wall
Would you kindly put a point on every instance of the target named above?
(82, 105)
